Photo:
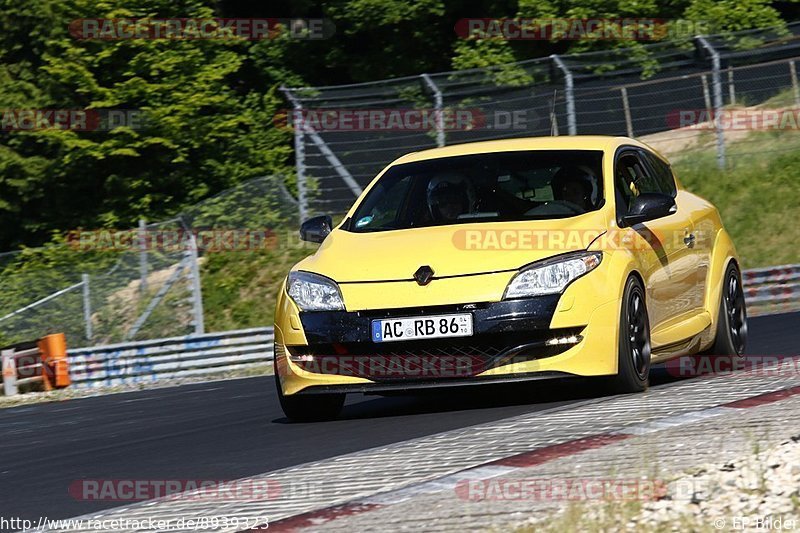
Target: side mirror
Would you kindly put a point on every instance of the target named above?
(649, 206)
(316, 229)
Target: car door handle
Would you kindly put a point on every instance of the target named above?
(689, 240)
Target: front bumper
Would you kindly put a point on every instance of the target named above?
(509, 343)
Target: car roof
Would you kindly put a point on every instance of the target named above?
(563, 142)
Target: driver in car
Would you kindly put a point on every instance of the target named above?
(448, 197)
(576, 186)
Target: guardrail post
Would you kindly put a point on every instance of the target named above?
(438, 104)
(717, 82)
(569, 94)
(142, 256)
(87, 306)
(9, 373)
(299, 154)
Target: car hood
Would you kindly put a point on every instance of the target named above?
(454, 250)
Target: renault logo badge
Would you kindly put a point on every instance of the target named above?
(423, 275)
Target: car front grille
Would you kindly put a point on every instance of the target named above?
(428, 359)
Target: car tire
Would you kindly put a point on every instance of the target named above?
(731, 335)
(633, 369)
(311, 408)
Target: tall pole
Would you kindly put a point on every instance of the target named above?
(569, 94)
(87, 307)
(438, 104)
(197, 293)
(626, 108)
(717, 82)
(142, 256)
(299, 154)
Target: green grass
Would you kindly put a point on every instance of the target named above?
(240, 288)
(757, 194)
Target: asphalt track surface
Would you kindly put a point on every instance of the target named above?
(231, 429)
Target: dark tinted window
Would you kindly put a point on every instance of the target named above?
(631, 178)
(662, 174)
(504, 186)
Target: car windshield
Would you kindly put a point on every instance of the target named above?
(505, 186)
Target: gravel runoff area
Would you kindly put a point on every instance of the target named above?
(765, 484)
(71, 393)
(759, 491)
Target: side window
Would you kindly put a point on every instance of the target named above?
(631, 178)
(663, 174)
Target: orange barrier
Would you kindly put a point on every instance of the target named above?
(55, 368)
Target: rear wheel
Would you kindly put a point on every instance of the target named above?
(310, 408)
(731, 337)
(633, 368)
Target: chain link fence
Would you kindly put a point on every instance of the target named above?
(104, 286)
(667, 94)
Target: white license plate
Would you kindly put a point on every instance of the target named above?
(422, 327)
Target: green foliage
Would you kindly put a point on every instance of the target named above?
(481, 53)
(734, 15)
(205, 126)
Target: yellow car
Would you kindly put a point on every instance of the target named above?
(513, 260)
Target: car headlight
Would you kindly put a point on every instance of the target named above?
(551, 276)
(312, 292)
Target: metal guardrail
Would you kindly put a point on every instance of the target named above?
(766, 289)
(174, 357)
(20, 367)
(772, 288)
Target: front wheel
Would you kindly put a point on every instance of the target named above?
(731, 337)
(633, 368)
(311, 408)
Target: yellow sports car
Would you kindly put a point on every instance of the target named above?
(499, 261)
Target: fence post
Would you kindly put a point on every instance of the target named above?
(706, 95)
(299, 154)
(715, 79)
(197, 293)
(569, 94)
(553, 117)
(142, 256)
(731, 87)
(9, 373)
(438, 104)
(87, 306)
(626, 108)
(795, 85)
